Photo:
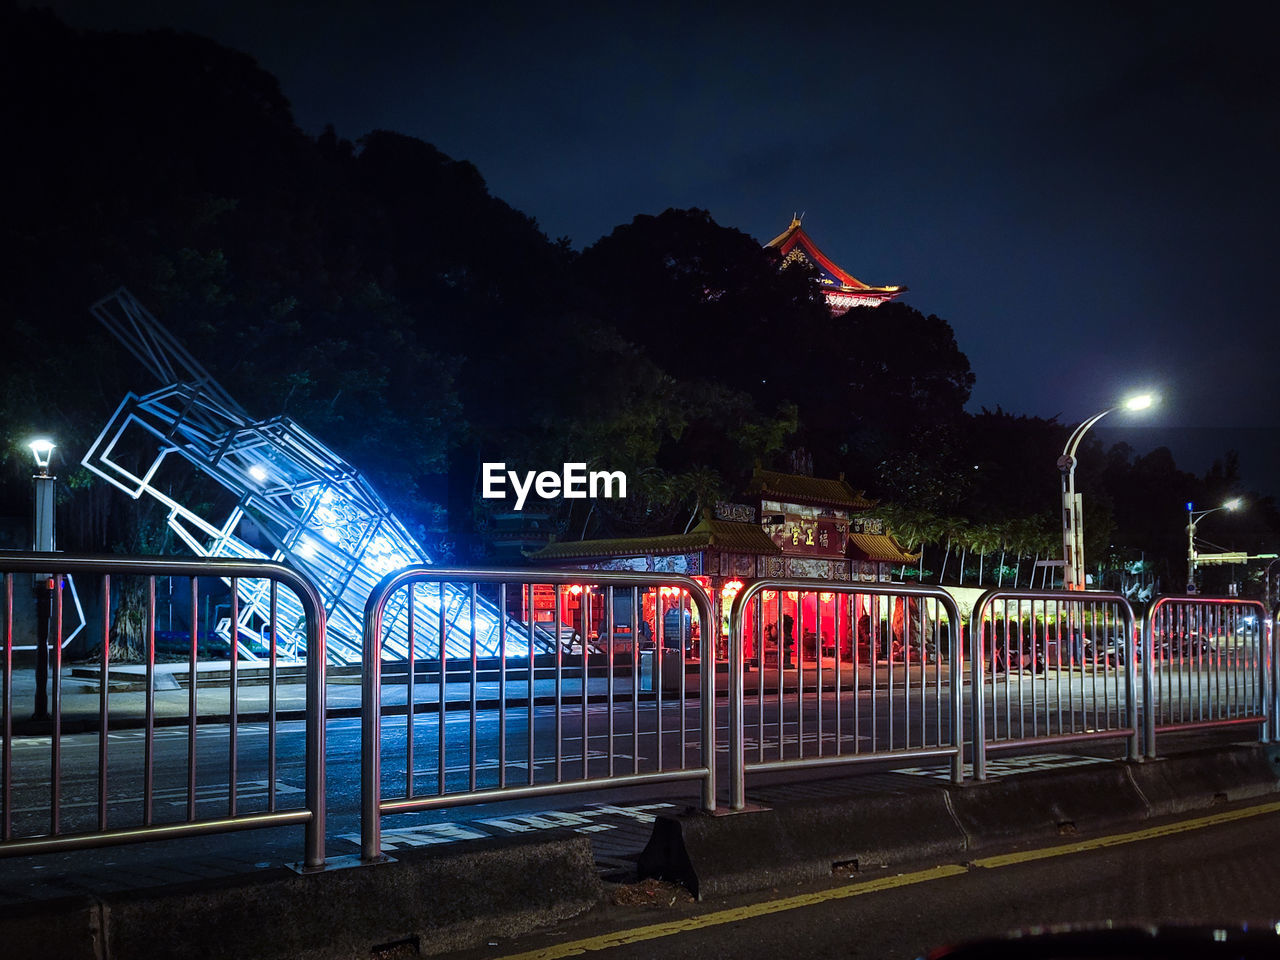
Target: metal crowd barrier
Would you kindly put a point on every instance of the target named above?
(840, 674)
(1207, 662)
(1051, 667)
(194, 784)
(578, 718)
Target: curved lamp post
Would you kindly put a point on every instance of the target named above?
(1072, 514)
(1194, 516)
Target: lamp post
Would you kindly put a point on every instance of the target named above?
(1073, 577)
(1194, 516)
(42, 540)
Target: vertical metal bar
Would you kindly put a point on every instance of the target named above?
(583, 602)
(737, 694)
(955, 678)
(410, 685)
(892, 676)
(780, 693)
(193, 686)
(104, 717)
(316, 734)
(685, 643)
(502, 679)
(707, 703)
(557, 626)
(798, 639)
(442, 704)
(906, 669)
(148, 760)
(370, 724)
(233, 753)
(817, 652)
(475, 670)
(635, 677)
(658, 682)
(272, 703)
(55, 699)
(6, 784)
(608, 622)
(875, 671)
(841, 600)
(758, 600)
(978, 693)
(855, 619)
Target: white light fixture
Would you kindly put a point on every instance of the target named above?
(259, 473)
(42, 450)
(1232, 504)
(1141, 402)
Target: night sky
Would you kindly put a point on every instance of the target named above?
(1086, 192)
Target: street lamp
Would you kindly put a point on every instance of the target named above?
(1072, 511)
(42, 540)
(1194, 516)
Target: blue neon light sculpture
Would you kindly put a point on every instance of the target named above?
(313, 507)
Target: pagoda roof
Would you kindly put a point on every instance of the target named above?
(882, 547)
(794, 488)
(720, 534)
(794, 244)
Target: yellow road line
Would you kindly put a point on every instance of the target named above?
(1118, 839)
(655, 931)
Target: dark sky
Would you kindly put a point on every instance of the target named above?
(1085, 191)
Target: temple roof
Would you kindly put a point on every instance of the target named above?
(794, 244)
(794, 488)
(881, 547)
(721, 534)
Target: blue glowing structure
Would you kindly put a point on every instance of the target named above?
(313, 507)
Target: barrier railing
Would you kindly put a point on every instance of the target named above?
(1207, 662)
(541, 705)
(1051, 667)
(841, 674)
(184, 786)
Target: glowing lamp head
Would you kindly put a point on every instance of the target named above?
(1233, 504)
(42, 450)
(1141, 402)
(259, 473)
(576, 589)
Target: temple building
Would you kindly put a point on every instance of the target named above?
(842, 289)
(786, 526)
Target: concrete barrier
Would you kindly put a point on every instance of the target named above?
(800, 841)
(804, 840)
(425, 902)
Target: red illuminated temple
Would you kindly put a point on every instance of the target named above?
(842, 289)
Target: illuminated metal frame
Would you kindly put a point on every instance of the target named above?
(316, 511)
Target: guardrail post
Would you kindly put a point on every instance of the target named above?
(737, 731)
(1134, 744)
(977, 693)
(314, 852)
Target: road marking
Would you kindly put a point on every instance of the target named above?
(717, 918)
(1118, 839)
(587, 820)
(736, 914)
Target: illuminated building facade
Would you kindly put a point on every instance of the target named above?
(842, 290)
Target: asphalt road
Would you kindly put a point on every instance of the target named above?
(1225, 873)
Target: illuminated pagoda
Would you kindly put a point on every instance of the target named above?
(842, 289)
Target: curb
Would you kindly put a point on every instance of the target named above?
(422, 903)
(804, 841)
